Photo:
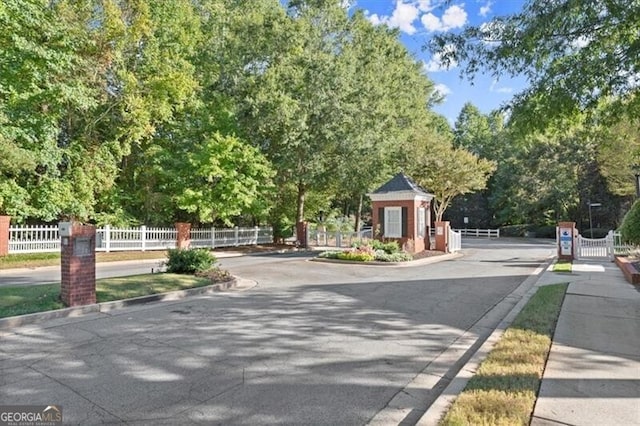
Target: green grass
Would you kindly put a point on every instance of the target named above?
(562, 266)
(20, 300)
(109, 289)
(33, 260)
(505, 387)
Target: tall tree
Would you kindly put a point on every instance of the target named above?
(574, 53)
(446, 171)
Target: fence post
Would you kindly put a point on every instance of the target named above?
(213, 237)
(143, 236)
(610, 246)
(256, 231)
(107, 238)
(338, 239)
(237, 236)
(498, 232)
(5, 235)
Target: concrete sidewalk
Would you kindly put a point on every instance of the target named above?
(592, 376)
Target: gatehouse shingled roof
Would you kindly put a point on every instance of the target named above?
(401, 183)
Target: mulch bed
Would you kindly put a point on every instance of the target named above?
(427, 253)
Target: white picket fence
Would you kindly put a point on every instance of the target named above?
(601, 248)
(40, 239)
(455, 241)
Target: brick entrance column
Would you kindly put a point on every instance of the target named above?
(566, 240)
(442, 236)
(5, 221)
(78, 264)
(184, 235)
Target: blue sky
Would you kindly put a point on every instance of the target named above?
(419, 20)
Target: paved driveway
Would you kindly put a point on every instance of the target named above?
(312, 343)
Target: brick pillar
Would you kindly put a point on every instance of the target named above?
(78, 265)
(302, 234)
(442, 236)
(566, 240)
(5, 221)
(184, 235)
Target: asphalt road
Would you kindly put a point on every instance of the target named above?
(312, 343)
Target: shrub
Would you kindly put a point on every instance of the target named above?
(388, 247)
(630, 228)
(514, 230)
(329, 254)
(359, 256)
(383, 256)
(190, 261)
(544, 231)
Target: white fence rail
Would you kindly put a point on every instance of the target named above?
(40, 239)
(488, 233)
(620, 248)
(455, 241)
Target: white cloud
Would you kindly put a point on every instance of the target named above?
(442, 89)
(435, 64)
(431, 22)
(486, 9)
(580, 42)
(376, 20)
(454, 17)
(403, 17)
(503, 89)
(425, 5)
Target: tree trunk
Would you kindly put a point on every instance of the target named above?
(358, 214)
(300, 202)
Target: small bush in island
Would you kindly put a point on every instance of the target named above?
(367, 252)
(190, 261)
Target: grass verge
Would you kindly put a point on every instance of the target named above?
(20, 300)
(562, 266)
(505, 387)
(33, 260)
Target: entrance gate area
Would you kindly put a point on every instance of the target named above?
(601, 248)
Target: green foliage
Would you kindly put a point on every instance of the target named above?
(189, 261)
(357, 255)
(389, 247)
(329, 254)
(566, 49)
(383, 256)
(630, 228)
(514, 230)
(448, 172)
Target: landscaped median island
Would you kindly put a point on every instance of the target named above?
(562, 266)
(375, 251)
(505, 387)
(186, 269)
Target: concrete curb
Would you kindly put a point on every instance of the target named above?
(419, 262)
(20, 320)
(440, 406)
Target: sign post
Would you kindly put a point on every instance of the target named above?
(565, 238)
